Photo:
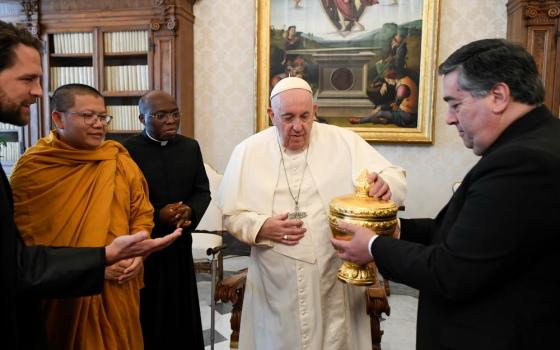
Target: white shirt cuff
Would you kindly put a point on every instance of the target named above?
(370, 243)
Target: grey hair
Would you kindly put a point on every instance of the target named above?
(484, 63)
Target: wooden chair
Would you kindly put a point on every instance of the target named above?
(232, 289)
(376, 305)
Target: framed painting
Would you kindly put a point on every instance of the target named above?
(371, 63)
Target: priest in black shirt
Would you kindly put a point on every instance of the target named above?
(179, 192)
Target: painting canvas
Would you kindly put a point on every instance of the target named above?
(370, 63)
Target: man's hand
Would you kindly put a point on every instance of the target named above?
(124, 270)
(129, 246)
(114, 271)
(176, 214)
(280, 229)
(132, 270)
(184, 220)
(378, 188)
(357, 249)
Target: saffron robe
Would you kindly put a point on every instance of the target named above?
(293, 290)
(84, 198)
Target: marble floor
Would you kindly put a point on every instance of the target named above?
(399, 328)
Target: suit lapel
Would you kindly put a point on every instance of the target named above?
(448, 215)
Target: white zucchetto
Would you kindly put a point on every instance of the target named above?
(290, 83)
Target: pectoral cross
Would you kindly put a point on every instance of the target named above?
(297, 214)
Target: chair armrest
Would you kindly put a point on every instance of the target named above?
(205, 243)
(215, 232)
(215, 250)
(377, 302)
(376, 305)
(231, 288)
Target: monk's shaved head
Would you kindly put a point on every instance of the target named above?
(64, 97)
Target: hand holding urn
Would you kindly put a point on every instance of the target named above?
(377, 215)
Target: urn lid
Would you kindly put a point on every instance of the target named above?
(361, 205)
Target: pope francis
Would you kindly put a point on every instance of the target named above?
(275, 195)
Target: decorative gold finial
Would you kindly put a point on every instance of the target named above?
(362, 184)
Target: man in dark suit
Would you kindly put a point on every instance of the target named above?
(29, 273)
(179, 192)
(487, 265)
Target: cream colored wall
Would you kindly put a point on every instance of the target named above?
(225, 93)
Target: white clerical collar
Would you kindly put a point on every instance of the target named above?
(162, 143)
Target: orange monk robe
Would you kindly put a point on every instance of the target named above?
(69, 197)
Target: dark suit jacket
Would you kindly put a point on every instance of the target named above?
(30, 273)
(488, 266)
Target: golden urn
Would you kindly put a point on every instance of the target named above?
(360, 209)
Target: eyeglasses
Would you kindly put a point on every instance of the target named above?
(161, 116)
(91, 118)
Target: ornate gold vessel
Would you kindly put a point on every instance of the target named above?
(360, 209)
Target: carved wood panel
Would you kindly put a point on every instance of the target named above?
(536, 25)
(164, 63)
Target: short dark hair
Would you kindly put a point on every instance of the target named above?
(10, 37)
(63, 96)
(484, 63)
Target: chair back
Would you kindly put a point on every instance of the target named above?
(209, 232)
(212, 219)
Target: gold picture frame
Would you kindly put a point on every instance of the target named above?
(345, 95)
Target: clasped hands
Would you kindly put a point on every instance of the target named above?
(176, 214)
(123, 270)
(125, 254)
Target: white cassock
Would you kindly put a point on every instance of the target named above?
(293, 299)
